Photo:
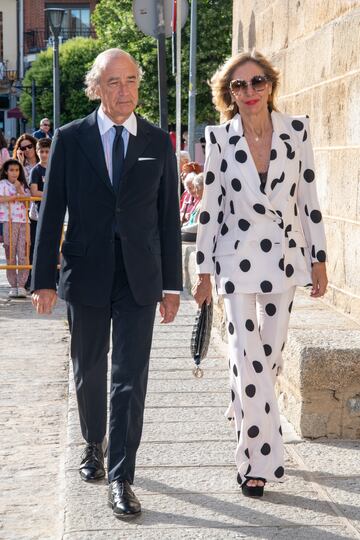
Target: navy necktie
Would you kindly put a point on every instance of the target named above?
(118, 156)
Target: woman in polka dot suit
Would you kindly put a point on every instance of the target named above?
(261, 234)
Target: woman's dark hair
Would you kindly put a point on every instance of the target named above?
(5, 168)
(25, 137)
(3, 143)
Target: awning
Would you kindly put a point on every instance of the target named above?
(15, 113)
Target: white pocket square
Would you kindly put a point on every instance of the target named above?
(146, 158)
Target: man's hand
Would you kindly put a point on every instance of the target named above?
(202, 290)
(319, 280)
(169, 307)
(44, 301)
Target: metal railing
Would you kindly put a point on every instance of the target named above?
(38, 39)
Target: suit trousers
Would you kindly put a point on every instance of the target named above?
(132, 328)
(257, 327)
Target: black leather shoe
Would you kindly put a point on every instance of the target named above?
(92, 462)
(123, 500)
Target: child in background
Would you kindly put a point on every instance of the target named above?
(37, 179)
(12, 185)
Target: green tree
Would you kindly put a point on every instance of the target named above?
(115, 27)
(75, 58)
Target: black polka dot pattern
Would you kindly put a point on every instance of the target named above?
(290, 154)
(246, 452)
(245, 265)
(315, 216)
(210, 177)
(212, 137)
(279, 472)
(309, 175)
(266, 286)
(270, 309)
(220, 218)
(259, 208)
(243, 224)
(292, 190)
(253, 432)
(235, 371)
(241, 156)
(231, 328)
(321, 256)
(224, 229)
(229, 287)
(236, 184)
(258, 367)
(266, 245)
(204, 217)
(249, 325)
(217, 268)
(289, 270)
(250, 390)
(267, 349)
(223, 165)
(200, 257)
(232, 210)
(265, 449)
(297, 125)
(267, 408)
(234, 139)
(273, 154)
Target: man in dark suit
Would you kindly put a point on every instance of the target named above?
(116, 175)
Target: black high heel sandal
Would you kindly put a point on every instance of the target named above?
(252, 491)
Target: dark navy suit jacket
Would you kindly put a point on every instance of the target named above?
(145, 212)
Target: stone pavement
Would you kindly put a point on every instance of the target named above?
(186, 478)
(33, 407)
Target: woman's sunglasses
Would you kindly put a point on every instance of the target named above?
(258, 84)
(27, 147)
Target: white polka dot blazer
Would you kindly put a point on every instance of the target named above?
(258, 238)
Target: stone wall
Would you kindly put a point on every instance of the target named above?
(316, 46)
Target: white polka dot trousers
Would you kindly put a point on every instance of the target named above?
(257, 330)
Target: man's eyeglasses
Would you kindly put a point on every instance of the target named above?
(46, 125)
(27, 147)
(258, 84)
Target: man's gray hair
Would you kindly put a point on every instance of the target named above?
(92, 77)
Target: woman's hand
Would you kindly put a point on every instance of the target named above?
(202, 290)
(20, 156)
(319, 280)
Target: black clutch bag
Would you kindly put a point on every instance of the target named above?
(200, 337)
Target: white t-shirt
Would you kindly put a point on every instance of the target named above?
(18, 209)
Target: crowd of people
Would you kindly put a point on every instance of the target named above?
(192, 184)
(22, 174)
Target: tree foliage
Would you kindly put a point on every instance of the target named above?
(75, 58)
(115, 27)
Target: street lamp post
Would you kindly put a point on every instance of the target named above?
(55, 18)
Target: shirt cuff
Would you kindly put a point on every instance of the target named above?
(171, 292)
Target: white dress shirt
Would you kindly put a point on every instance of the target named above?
(107, 133)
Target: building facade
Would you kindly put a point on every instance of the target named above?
(316, 46)
(24, 32)
(37, 35)
(8, 63)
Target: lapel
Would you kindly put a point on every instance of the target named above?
(282, 151)
(136, 145)
(244, 161)
(90, 142)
